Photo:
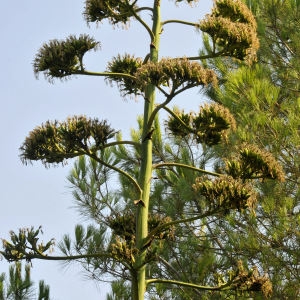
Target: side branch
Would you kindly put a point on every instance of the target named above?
(172, 164)
(169, 224)
(143, 23)
(135, 183)
(179, 22)
(108, 74)
(191, 285)
(159, 107)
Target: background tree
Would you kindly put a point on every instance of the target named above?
(168, 195)
(19, 288)
(264, 100)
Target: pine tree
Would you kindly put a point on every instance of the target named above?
(159, 217)
(264, 100)
(19, 288)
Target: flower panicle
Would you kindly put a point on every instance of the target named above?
(54, 142)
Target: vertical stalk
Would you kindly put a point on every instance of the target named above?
(146, 164)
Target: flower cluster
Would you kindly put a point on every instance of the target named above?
(254, 163)
(125, 226)
(126, 64)
(225, 192)
(59, 59)
(212, 123)
(53, 142)
(24, 245)
(209, 126)
(116, 11)
(252, 281)
(174, 73)
(232, 27)
(181, 124)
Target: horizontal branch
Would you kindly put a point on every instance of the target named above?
(107, 74)
(172, 164)
(187, 284)
(60, 258)
(122, 143)
(179, 22)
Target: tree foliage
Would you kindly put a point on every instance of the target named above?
(264, 100)
(19, 287)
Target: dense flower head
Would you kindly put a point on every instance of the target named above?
(226, 192)
(212, 124)
(180, 126)
(175, 73)
(128, 65)
(209, 126)
(54, 142)
(124, 226)
(116, 11)
(232, 27)
(254, 162)
(61, 58)
(234, 10)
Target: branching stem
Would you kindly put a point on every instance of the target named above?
(120, 171)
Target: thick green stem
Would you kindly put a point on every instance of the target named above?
(146, 164)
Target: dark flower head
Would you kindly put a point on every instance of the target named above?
(54, 142)
(226, 192)
(253, 162)
(127, 65)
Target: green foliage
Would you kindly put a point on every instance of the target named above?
(264, 100)
(44, 291)
(120, 291)
(19, 287)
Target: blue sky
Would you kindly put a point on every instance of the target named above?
(33, 195)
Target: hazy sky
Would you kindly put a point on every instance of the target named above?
(33, 195)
